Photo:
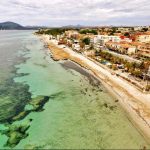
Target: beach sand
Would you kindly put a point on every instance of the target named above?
(135, 103)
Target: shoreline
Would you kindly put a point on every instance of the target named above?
(135, 104)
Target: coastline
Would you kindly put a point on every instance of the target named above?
(134, 103)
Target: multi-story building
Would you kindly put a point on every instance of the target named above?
(124, 29)
(72, 34)
(144, 38)
(122, 47)
(138, 28)
(76, 47)
(105, 38)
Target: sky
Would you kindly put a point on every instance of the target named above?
(75, 12)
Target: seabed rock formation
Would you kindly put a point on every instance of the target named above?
(16, 133)
(13, 98)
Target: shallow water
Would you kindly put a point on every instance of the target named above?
(80, 113)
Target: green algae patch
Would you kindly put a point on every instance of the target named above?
(13, 98)
(15, 134)
(35, 105)
(20, 116)
(38, 103)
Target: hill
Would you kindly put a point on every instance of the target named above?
(11, 26)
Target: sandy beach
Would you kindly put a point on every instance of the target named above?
(135, 103)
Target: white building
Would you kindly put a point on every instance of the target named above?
(99, 41)
(76, 47)
(71, 33)
(102, 39)
(131, 50)
(138, 28)
(143, 38)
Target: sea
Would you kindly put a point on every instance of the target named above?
(47, 104)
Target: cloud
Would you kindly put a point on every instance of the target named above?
(67, 12)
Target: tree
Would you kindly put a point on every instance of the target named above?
(94, 32)
(114, 29)
(145, 29)
(89, 31)
(137, 73)
(86, 41)
(82, 45)
(127, 34)
(92, 46)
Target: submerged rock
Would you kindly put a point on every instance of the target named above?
(39, 102)
(15, 134)
(108, 106)
(20, 116)
(13, 98)
(35, 104)
(116, 100)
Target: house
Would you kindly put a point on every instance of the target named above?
(122, 47)
(76, 41)
(124, 29)
(89, 53)
(144, 38)
(76, 47)
(145, 55)
(72, 34)
(131, 50)
(138, 28)
(86, 47)
(144, 48)
(102, 39)
(125, 39)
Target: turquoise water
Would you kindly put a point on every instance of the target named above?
(80, 113)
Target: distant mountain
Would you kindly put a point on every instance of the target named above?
(35, 27)
(74, 26)
(15, 26)
(11, 26)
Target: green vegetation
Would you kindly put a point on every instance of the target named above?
(54, 32)
(39, 102)
(114, 30)
(85, 31)
(127, 34)
(35, 104)
(86, 41)
(135, 69)
(13, 98)
(145, 29)
(15, 134)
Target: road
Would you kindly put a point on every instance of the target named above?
(128, 58)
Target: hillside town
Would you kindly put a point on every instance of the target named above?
(125, 51)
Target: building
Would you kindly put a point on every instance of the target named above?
(102, 39)
(72, 34)
(89, 53)
(144, 38)
(87, 47)
(124, 29)
(76, 47)
(125, 39)
(122, 47)
(138, 28)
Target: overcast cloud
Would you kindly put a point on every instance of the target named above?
(73, 12)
